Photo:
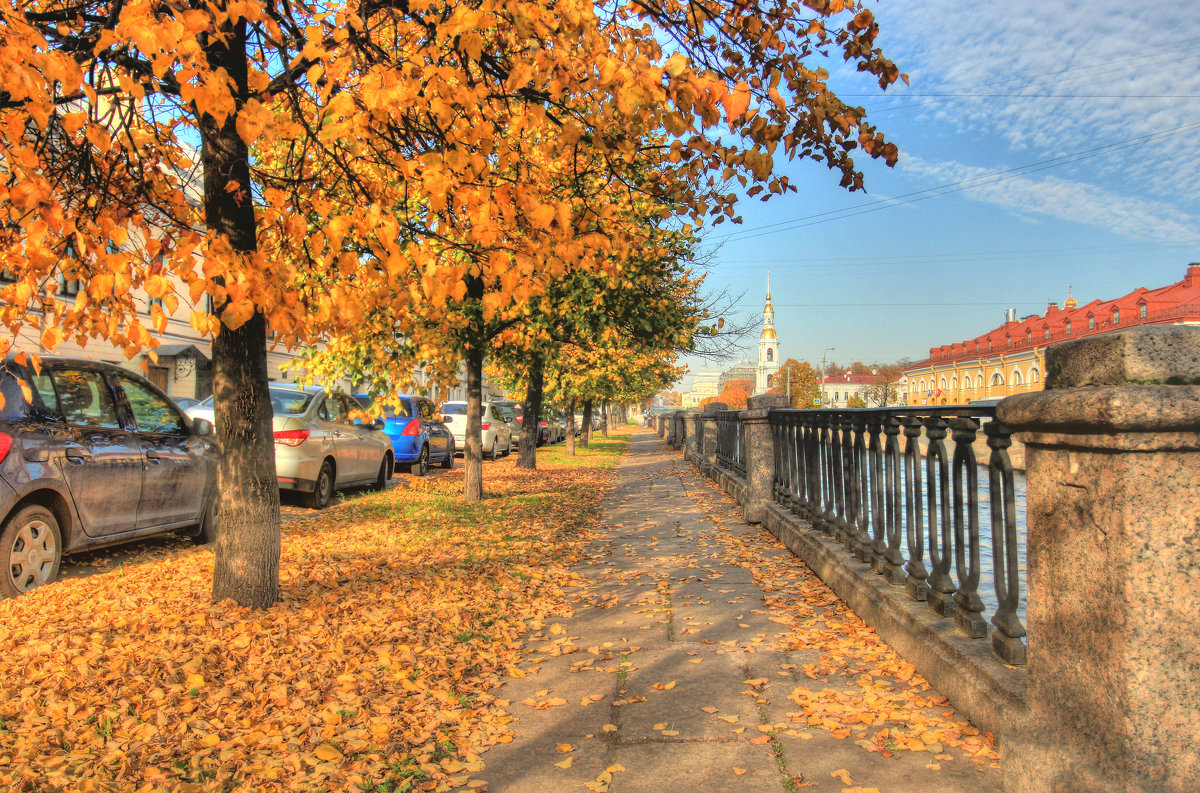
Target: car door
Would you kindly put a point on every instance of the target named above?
(361, 440)
(439, 436)
(102, 462)
(175, 461)
(331, 423)
(503, 436)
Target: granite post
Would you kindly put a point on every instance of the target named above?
(706, 446)
(691, 424)
(1112, 457)
(759, 454)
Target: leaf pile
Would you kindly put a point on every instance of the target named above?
(861, 689)
(401, 612)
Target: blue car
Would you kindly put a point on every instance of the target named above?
(418, 436)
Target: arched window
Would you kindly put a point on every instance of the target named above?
(989, 345)
(997, 378)
(770, 355)
(1029, 335)
(1141, 310)
(1016, 377)
(1068, 327)
(1046, 333)
(770, 379)
(942, 384)
(953, 383)
(1035, 376)
(1091, 322)
(1116, 316)
(979, 381)
(1009, 341)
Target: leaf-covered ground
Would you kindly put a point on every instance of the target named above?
(401, 612)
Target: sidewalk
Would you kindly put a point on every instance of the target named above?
(703, 656)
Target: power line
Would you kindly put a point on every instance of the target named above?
(953, 187)
(907, 95)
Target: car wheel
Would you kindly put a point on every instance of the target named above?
(507, 448)
(492, 455)
(449, 461)
(385, 468)
(31, 547)
(206, 532)
(321, 495)
(421, 466)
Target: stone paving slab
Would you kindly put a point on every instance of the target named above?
(673, 674)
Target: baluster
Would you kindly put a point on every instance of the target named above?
(893, 564)
(937, 488)
(812, 470)
(968, 606)
(916, 583)
(795, 468)
(828, 475)
(878, 525)
(740, 428)
(778, 448)
(1006, 639)
(862, 488)
(846, 483)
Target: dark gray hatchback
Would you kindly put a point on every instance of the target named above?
(91, 455)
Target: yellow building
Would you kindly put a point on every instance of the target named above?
(1011, 359)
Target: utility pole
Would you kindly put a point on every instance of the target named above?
(827, 349)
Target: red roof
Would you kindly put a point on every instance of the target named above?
(1166, 305)
(852, 379)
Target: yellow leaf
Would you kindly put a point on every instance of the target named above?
(662, 725)
(565, 763)
(564, 747)
(609, 728)
(328, 753)
(843, 775)
(195, 681)
(739, 771)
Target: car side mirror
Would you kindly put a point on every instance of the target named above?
(202, 427)
(378, 424)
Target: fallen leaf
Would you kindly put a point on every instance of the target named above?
(843, 775)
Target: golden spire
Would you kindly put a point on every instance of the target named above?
(1071, 301)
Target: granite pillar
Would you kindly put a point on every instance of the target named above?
(1113, 468)
(691, 429)
(759, 454)
(706, 446)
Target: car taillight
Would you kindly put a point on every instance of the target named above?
(291, 437)
(487, 425)
(520, 419)
(412, 428)
(5, 445)
(544, 424)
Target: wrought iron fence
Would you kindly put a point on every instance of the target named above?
(845, 473)
(731, 441)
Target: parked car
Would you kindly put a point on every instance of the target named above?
(578, 424)
(543, 436)
(495, 433)
(418, 435)
(319, 448)
(91, 454)
(185, 402)
(557, 426)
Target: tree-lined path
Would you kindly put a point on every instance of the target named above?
(702, 655)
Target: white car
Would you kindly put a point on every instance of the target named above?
(495, 433)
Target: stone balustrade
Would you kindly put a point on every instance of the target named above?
(1102, 694)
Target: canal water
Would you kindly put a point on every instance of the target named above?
(987, 589)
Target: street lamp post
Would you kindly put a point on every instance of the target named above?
(827, 349)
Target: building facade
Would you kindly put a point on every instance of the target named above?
(704, 384)
(1010, 359)
(743, 370)
(768, 348)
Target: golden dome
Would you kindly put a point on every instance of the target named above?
(768, 333)
(1071, 301)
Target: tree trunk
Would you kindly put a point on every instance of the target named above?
(246, 569)
(571, 426)
(604, 418)
(585, 437)
(473, 434)
(531, 420)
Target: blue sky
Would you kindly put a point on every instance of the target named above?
(1043, 144)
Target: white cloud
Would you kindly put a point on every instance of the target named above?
(1054, 197)
(1124, 56)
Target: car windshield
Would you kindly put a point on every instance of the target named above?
(403, 411)
(289, 403)
(451, 409)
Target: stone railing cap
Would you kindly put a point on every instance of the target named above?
(768, 401)
(1163, 355)
(715, 407)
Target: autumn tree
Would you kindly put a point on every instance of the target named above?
(856, 401)
(799, 381)
(885, 390)
(672, 398)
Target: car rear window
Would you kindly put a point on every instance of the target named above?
(454, 410)
(14, 406)
(402, 411)
(289, 403)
